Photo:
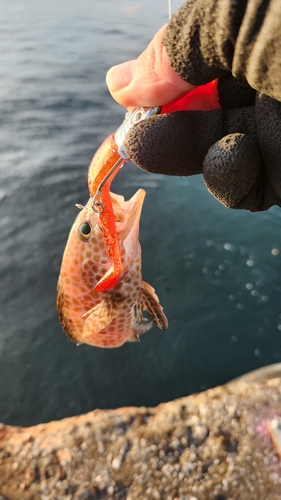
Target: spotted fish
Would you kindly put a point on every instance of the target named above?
(112, 317)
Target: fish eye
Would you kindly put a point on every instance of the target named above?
(84, 231)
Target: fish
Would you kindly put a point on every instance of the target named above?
(106, 318)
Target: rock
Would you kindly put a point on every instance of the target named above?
(214, 445)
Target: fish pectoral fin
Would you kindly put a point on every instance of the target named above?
(149, 302)
(98, 318)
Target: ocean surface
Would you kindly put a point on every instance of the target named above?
(216, 271)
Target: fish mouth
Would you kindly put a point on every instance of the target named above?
(127, 213)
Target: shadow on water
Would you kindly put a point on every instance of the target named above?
(216, 271)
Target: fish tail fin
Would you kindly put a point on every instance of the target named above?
(149, 302)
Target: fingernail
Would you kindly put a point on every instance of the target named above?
(118, 77)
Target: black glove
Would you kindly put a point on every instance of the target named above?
(238, 150)
(238, 147)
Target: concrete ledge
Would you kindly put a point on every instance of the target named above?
(215, 445)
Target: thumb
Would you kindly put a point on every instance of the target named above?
(148, 80)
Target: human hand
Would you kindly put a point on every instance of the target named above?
(148, 80)
(236, 147)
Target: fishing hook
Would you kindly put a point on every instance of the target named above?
(131, 119)
(97, 205)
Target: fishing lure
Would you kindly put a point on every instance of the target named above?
(105, 165)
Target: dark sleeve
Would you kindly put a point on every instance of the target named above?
(207, 39)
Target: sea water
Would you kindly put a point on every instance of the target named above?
(217, 271)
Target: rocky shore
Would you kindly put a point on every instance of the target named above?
(215, 445)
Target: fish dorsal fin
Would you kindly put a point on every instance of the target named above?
(150, 303)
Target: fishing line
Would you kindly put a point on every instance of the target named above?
(169, 9)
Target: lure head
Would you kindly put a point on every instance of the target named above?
(131, 119)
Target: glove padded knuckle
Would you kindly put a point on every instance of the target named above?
(231, 168)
